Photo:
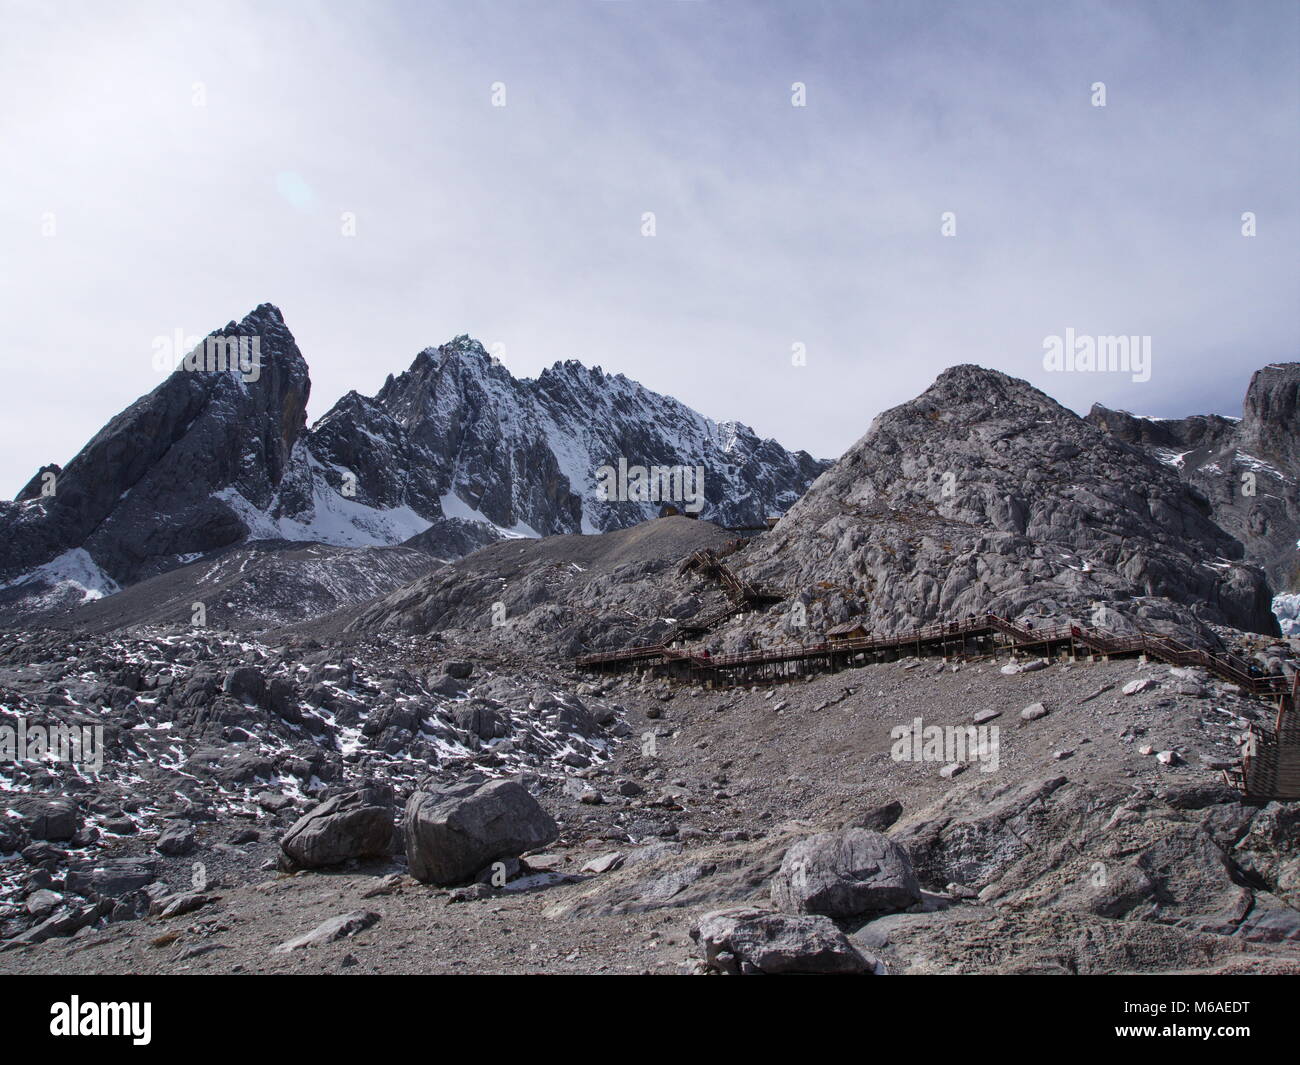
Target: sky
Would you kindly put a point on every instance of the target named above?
(169, 166)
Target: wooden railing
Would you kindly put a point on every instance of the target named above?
(1098, 641)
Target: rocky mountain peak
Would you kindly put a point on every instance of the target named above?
(1270, 423)
(1247, 471)
(150, 488)
(973, 393)
(985, 494)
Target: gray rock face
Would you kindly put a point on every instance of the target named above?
(168, 476)
(1034, 942)
(1248, 471)
(246, 684)
(357, 824)
(1104, 850)
(983, 494)
(845, 875)
(454, 832)
(746, 941)
(55, 818)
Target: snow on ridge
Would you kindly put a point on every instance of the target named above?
(1170, 457)
(334, 520)
(1260, 466)
(73, 570)
(455, 507)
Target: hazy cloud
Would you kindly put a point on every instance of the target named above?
(197, 159)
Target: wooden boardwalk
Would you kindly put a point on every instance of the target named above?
(1270, 767)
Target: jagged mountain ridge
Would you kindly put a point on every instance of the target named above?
(450, 455)
(523, 454)
(1244, 468)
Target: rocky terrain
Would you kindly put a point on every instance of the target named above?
(563, 594)
(1083, 852)
(377, 759)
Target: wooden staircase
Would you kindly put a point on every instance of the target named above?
(1270, 766)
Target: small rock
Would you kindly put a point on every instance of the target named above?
(470, 893)
(179, 904)
(176, 839)
(336, 928)
(606, 863)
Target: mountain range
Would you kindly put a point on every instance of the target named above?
(982, 493)
(450, 455)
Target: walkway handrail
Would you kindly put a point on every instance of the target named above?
(1228, 666)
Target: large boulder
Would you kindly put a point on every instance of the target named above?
(844, 875)
(481, 721)
(356, 824)
(747, 941)
(451, 833)
(246, 684)
(48, 817)
(176, 839)
(111, 877)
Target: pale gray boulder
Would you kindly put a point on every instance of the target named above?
(451, 833)
(332, 930)
(357, 824)
(845, 875)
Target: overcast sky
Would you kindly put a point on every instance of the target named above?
(168, 166)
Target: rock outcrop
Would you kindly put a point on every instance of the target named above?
(747, 941)
(983, 494)
(1247, 470)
